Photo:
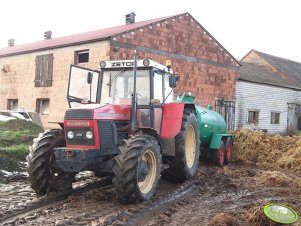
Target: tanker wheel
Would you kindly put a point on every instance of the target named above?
(184, 165)
(137, 169)
(43, 173)
(228, 150)
(219, 155)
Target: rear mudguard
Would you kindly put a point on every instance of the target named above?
(172, 118)
(171, 125)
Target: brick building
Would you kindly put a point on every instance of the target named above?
(268, 94)
(34, 76)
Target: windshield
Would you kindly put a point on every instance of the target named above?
(117, 87)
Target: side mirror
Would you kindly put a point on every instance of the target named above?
(89, 77)
(173, 80)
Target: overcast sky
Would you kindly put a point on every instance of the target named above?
(270, 26)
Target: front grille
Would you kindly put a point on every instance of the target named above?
(80, 137)
(78, 114)
(108, 134)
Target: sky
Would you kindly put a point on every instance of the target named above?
(269, 26)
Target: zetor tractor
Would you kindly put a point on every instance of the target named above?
(123, 122)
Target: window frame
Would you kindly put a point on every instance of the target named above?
(44, 70)
(38, 105)
(254, 113)
(78, 53)
(8, 104)
(276, 120)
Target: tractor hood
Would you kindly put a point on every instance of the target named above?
(99, 111)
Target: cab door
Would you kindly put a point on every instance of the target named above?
(80, 89)
(157, 100)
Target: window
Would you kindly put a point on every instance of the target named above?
(81, 57)
(168, 92)
(44, 69)
(12, 104)
(275, 117)
(42, 106)
(253, 117)
(117, 87)
(158, 87)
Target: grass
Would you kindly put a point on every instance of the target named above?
(15, 138)
(19, 150)
(17, 132)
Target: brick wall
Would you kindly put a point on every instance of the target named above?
(18, 83)
(205, 68)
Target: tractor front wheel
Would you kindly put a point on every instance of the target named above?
(184, 165)
(137, 169)
(43, 173)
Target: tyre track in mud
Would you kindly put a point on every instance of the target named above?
(99, 207)
(25, 201)
(192, 203)
(102, 207)
(209, 204)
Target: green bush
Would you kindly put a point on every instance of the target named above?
(17, 132)
(15, 138)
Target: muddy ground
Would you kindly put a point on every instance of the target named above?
(231, 195)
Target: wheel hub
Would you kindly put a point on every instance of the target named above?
(190, 146)
(142, 170)
(147, 170)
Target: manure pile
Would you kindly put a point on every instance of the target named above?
(268, 151)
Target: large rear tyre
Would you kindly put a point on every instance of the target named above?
(184, 165)
(219, 155)
(44, 174)
(137, 169)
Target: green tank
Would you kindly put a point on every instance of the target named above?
(210, 122)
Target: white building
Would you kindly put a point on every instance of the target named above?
(268, 94)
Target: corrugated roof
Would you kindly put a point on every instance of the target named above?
(260, 74)
(291, 69)
(76, 38)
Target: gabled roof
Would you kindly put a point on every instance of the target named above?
(69, 40)
(260, 74)
(93, 36)
(291, 69)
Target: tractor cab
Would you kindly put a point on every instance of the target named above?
(113, 84)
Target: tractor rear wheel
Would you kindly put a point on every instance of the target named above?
(137, 168)
(228, 150)
(44, 174)
(184, 165)
(219, 155)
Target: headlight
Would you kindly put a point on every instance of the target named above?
(70, 134)
(89, 135)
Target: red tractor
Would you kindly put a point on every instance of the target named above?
(122, 122)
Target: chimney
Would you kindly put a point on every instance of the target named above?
(11, 42)
(47, 34)
(130, 18)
